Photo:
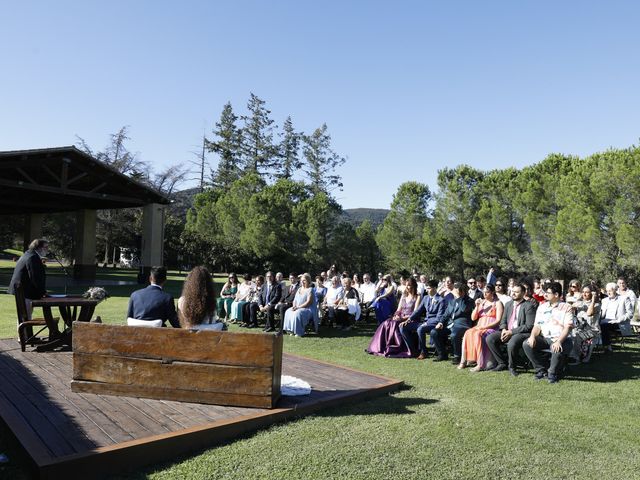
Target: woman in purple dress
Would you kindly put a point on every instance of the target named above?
(387, 340)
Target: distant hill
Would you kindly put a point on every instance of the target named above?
(183, 200)
(356, 216)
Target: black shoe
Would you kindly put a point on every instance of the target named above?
(455, 361)
(553, 378)
(540, 375)
(499, 368)
(513, 372)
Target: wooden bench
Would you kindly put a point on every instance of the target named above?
(221, 368)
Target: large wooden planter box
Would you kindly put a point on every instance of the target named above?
(222, 368)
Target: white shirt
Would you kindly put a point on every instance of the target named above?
(609, 309)
(333, 295)
(368, 291)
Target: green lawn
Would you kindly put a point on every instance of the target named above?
(447, 423)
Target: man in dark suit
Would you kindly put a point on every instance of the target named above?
(29, 271)
(515, 326)
(286, 302)
(268, 299)
(415, 330)
(153, 303)
(474, 292)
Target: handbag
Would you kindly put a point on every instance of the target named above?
(584, 331)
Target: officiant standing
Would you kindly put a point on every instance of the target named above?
(30, 273)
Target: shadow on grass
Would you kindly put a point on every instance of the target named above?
(619, 366)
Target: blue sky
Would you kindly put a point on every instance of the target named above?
(406, 88)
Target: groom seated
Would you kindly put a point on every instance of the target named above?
(153, 303)
(415, 329)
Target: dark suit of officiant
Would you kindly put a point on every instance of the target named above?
(523, 324)
(269, 296)
(30, 273)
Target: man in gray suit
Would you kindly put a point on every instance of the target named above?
(515, 326)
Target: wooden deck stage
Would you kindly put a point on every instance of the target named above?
(75, 435)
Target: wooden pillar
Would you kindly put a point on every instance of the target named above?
(32, 228)
(152, 238)
(84, 266)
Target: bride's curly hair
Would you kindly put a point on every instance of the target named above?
(198, 298)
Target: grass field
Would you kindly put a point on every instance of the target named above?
(447, 423)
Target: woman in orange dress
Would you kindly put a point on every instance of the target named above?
(487, 313)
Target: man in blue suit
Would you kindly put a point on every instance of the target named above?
(415, 329)
(153, 303)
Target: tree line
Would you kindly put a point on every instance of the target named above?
(562, 217)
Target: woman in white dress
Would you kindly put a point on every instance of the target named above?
(242, 296)
(302, 312)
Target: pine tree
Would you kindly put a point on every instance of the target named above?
(289, 151)
(258, 150)
(321, 161)
(226, 143)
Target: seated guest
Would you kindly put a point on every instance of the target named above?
(280, 279)
(445, 290)
(553, 323)
(624, 291)
(574, 293)
(616, 313)
(501, 289)
(303, 310)
(385, 302)
(227, 295)
(244, 290)
(455, 322)
(515, 326)
(422, 285)
(380, 280)
(269, 297)
(491, 276)
(474, 292)
(401, 286)
(587, 312)
(510, 285)
(197, 304)
(355, 281)
(288, 295)
(334, 293)
(367, 291)
(153, 303)
(481, 283)
(343, 316)
(429, 313)
(252, 301)
(320, 290)
(487, 314)
(328, 279)
(388, 341)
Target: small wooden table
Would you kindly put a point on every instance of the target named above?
(68, 307)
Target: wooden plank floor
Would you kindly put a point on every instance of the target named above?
(77, 435)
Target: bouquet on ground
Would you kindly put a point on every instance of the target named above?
(96, 293)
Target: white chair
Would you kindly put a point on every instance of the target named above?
(134, 322)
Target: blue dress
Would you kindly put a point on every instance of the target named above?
(296, 321)
(384, 307)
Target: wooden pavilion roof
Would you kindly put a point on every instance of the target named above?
(66, 179)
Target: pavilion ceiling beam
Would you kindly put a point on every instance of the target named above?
(74, 193)
(24, 174)
(27, 162)
(50, 172)
(77, 177)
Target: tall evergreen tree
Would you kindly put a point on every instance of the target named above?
(227, 144)
(258, 150)
(289, 151)
(321, 161)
